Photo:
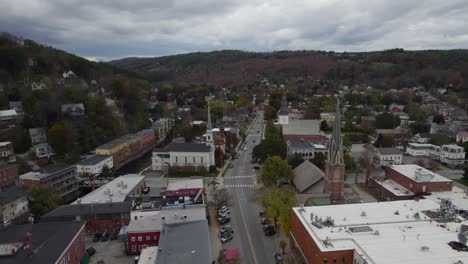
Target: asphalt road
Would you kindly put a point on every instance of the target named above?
(253, 245)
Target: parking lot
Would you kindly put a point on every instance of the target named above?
(111, 252)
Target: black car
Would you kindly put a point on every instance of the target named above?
(105, 237)
(265, 221)
(269, 230)
(458, 246)
(227, 237)
(97, 237)
(224, 220)
(262, 212)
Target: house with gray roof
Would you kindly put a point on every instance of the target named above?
(183, 155)
(388, 156)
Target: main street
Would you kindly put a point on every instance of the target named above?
(249, 238)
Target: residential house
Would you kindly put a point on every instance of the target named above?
(421, 138)
(43, 243)
(38, 86)
(388, 156)
(42, 150)
(37, 135)
(17, 106)
(451, 155)
(8, 176)
(8, 117)
(328, 117)
(69, 75)
(162, 127)
(73, 110)
(462, 136)
(183, 155)
(7, 153)
(13, 204)
(93, 166)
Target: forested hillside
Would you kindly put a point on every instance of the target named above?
(386, 69)
(31, 73)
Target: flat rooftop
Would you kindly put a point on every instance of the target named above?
(381, 235)
(302, 127)
(457, 196)
(148, 255)
(395, 188)
(93, 160)
(418, 173)
(114, 191)
(177, 184)
(142, 221)
(32, 176)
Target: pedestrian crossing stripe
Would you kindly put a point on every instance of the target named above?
(239, 186)
(239, 176)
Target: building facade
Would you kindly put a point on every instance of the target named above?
(13, 204)
(388, 156)
(183, 155)
(93, 165)
(7, 153)
(8, 176)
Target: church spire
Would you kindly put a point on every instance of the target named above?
(335, 152)
(208, 126)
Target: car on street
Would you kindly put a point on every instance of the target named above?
(105, 236)
(224, 211)
(227, 237)
(245, 148)
(224, 220)
(231, 165)
(458, 246)
(265, 221)
(97, 237)
(225, 229)
(262, 212)
(278, 258)
(256, 167)
(269, 230)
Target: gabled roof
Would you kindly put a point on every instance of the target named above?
(389, 151)
(306, 175)
(12, 194)
(302, 127)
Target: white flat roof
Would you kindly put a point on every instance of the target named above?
(148, 255)
(395, 188)
(114, 191)
(418, 173)
(177, 184)
(147, 221)
(457, 196)
(399, 239)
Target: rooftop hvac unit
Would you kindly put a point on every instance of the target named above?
(363, 213)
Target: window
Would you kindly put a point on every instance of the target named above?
(176, 159)
(155, 238)
(201, 160)
(133, 239)
(193, 160)
(148, 238)
(140, 238)
(325, 261)
(185, 160)
(133, 248)
(334, 260)
(140, 247)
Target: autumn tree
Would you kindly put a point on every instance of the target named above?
(274, 170)
(278, 202)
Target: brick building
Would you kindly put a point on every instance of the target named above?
(129, 147)
(375, 233)
(7, 153)
(99, 217)
(8, 176)
(62, 182)
(145, 227)
(43, 243)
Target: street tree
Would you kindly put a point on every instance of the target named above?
(42, 200)
(283, 245)
(319, 160)
(274, 170)
(387, 121)
(295, 161)
(278, 202)
(221, 197)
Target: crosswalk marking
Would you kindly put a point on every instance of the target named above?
(239, 176)
(239, 186)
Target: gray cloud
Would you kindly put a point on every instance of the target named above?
(109, 29)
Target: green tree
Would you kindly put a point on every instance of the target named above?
(42, 200)
(324, 125)
(274, 170)
(319, 160)
(465, 173)
(278, 202)
(295, 161)
(217, 110)
(283, 245)
(348, 161)
(387, 121)
(439, 139)
(57, 138)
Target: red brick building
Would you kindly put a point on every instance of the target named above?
(306, 130)
(8, 176)
(44, 243)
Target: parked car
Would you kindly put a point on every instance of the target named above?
(262, 212)
(97, 237)
(256, 167)
(91, 251)
(227, 237)
(231, 165)
(265, 221)
(224, 211)
(458, 246)
(224, 220)
(225, 228)
(269, 230)
(114, 235)
(105, 236)
(278, 258)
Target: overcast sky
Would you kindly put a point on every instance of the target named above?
(110, 29)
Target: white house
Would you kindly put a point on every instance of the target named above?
(13, 204)
(8, 115)
(43, 150)
(421, 138)
(38, 135)
(307, 150)
(94, 165)
(451, 155)
(417, 149)
(462, 136)
(388, 156)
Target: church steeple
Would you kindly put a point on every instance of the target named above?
(208, 126)
(335, 152)
(209, 129)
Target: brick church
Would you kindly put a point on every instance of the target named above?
(335, 167)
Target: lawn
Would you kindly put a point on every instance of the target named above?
(462, 181)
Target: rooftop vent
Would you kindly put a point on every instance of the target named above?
(425, 248)
(363, 213)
